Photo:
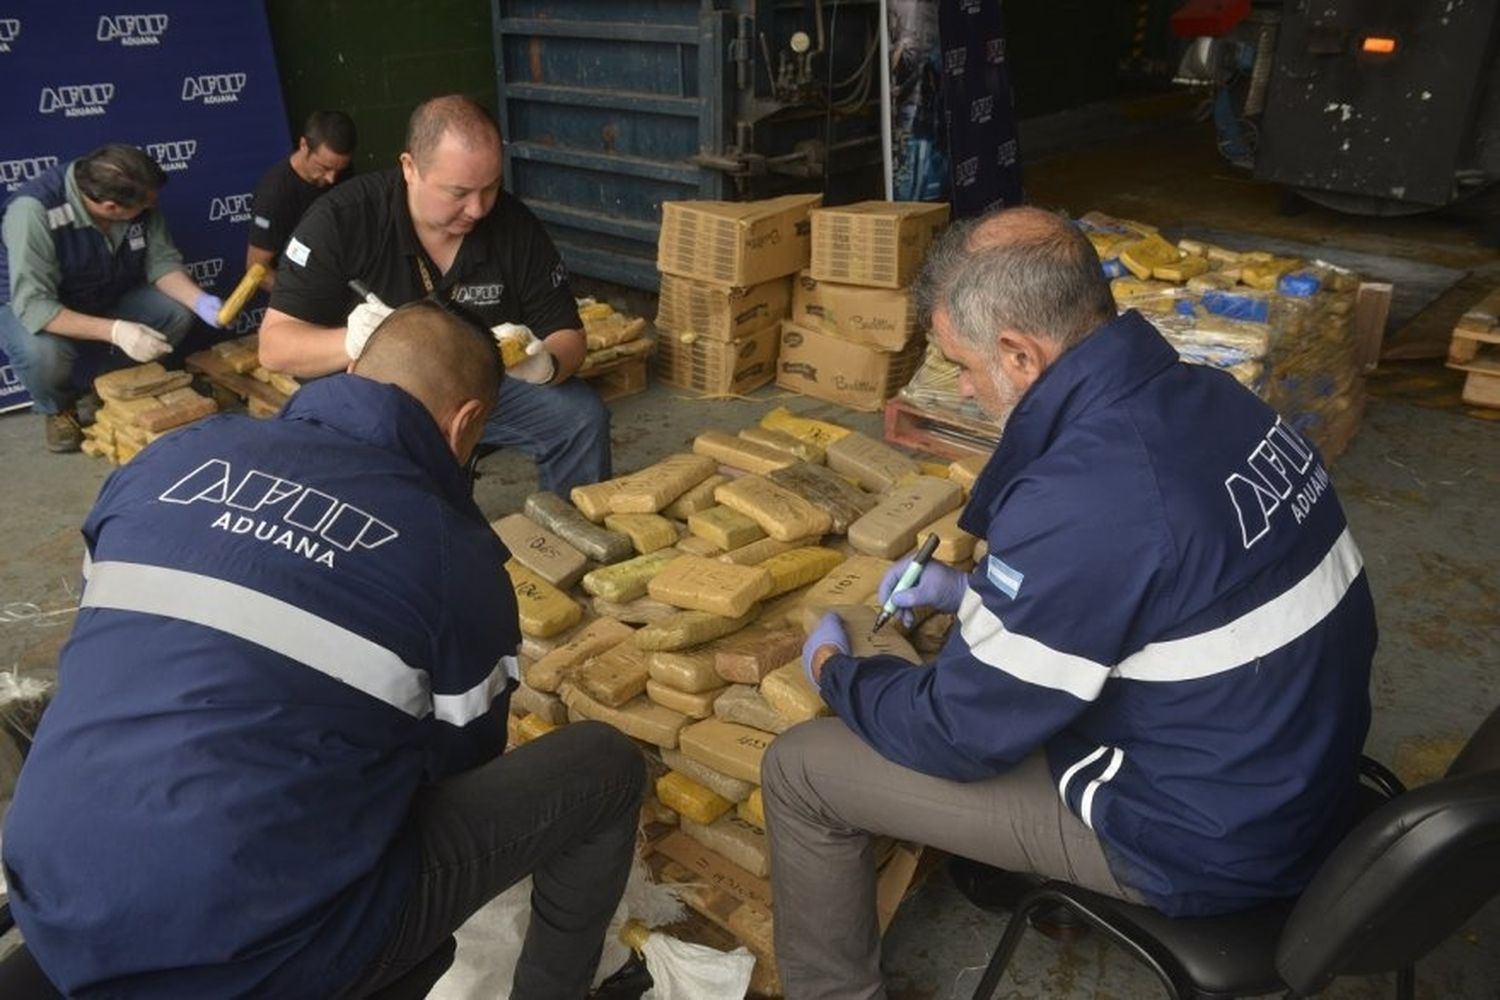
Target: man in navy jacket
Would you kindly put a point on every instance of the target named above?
(1157, 686)
(272, 766)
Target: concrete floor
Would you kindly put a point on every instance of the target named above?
(1418, 484)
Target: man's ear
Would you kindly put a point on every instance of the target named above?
(1025, 356)
(464, 428)
(408, 167)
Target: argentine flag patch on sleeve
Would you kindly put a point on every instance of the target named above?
(1004, 576)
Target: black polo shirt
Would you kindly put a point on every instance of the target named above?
(281, 199)
(506, 270)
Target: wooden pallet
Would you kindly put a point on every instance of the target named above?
(1475, 349)
(937, 433)
(259, 398)
(616, 379)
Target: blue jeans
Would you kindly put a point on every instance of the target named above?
(46, 362)
(564, 427)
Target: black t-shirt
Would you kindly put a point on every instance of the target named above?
(506, 269)
(281, 199)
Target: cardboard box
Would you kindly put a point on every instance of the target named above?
(718, 367)
(736, 242)
(722, 312)
(879, 243)
(832, 368)
(882, 318)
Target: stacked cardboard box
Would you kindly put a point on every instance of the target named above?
(672, 602)
(141, 403)
(852, 337)
(725, 288)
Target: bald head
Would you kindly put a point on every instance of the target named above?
(1022, 269)
(447, 363)
(454, 115)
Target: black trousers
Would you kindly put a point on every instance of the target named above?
(563, 809)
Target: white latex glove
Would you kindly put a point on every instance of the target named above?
(539, 367)
(362, 322)
(138, 341)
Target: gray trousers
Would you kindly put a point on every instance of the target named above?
(563, 809)
(828, 794)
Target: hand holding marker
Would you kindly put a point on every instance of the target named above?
(908, 580)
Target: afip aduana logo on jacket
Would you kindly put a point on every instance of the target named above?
(10, 30)
(304, 521)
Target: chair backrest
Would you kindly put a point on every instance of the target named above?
(1404, 879)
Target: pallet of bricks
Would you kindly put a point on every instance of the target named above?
(672, 603)
(1282, 326)
(141, 403)
(618, 349)
(853, 336)
(1475, 349)
(233, 368)
(726, 271)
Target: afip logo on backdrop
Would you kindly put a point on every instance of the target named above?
(966, 172)
(982, 109)
(172, 155)
(10, 30)
(77, 100)
(205, 271)
(14, 173)
(213, 88)
(132, 29)
(233, 208)
(994, 51)
(248, 321)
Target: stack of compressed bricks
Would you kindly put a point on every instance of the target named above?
(673, 602)
(1281, 325)
(610, 335)
(141, 403)
(234, 368)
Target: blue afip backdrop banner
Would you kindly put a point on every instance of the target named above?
(984, 148)
(192, 82)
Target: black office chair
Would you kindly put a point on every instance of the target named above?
(1410, 873)
(22, 979)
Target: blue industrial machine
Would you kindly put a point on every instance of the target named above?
(609, 109)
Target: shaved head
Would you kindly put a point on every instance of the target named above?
(463, 118)
(442, 359)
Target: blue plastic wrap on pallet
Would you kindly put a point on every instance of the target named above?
(1113, 268)
(1237, 306)
(1185, 307)
(1300, 284)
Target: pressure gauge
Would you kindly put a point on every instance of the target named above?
(800, 42)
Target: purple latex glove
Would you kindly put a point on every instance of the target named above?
(941, 587)
(207, 307)
(829, 632)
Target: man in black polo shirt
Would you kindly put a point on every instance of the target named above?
(441, 226)
(289, 188)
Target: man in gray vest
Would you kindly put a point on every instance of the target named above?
(86, 262)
